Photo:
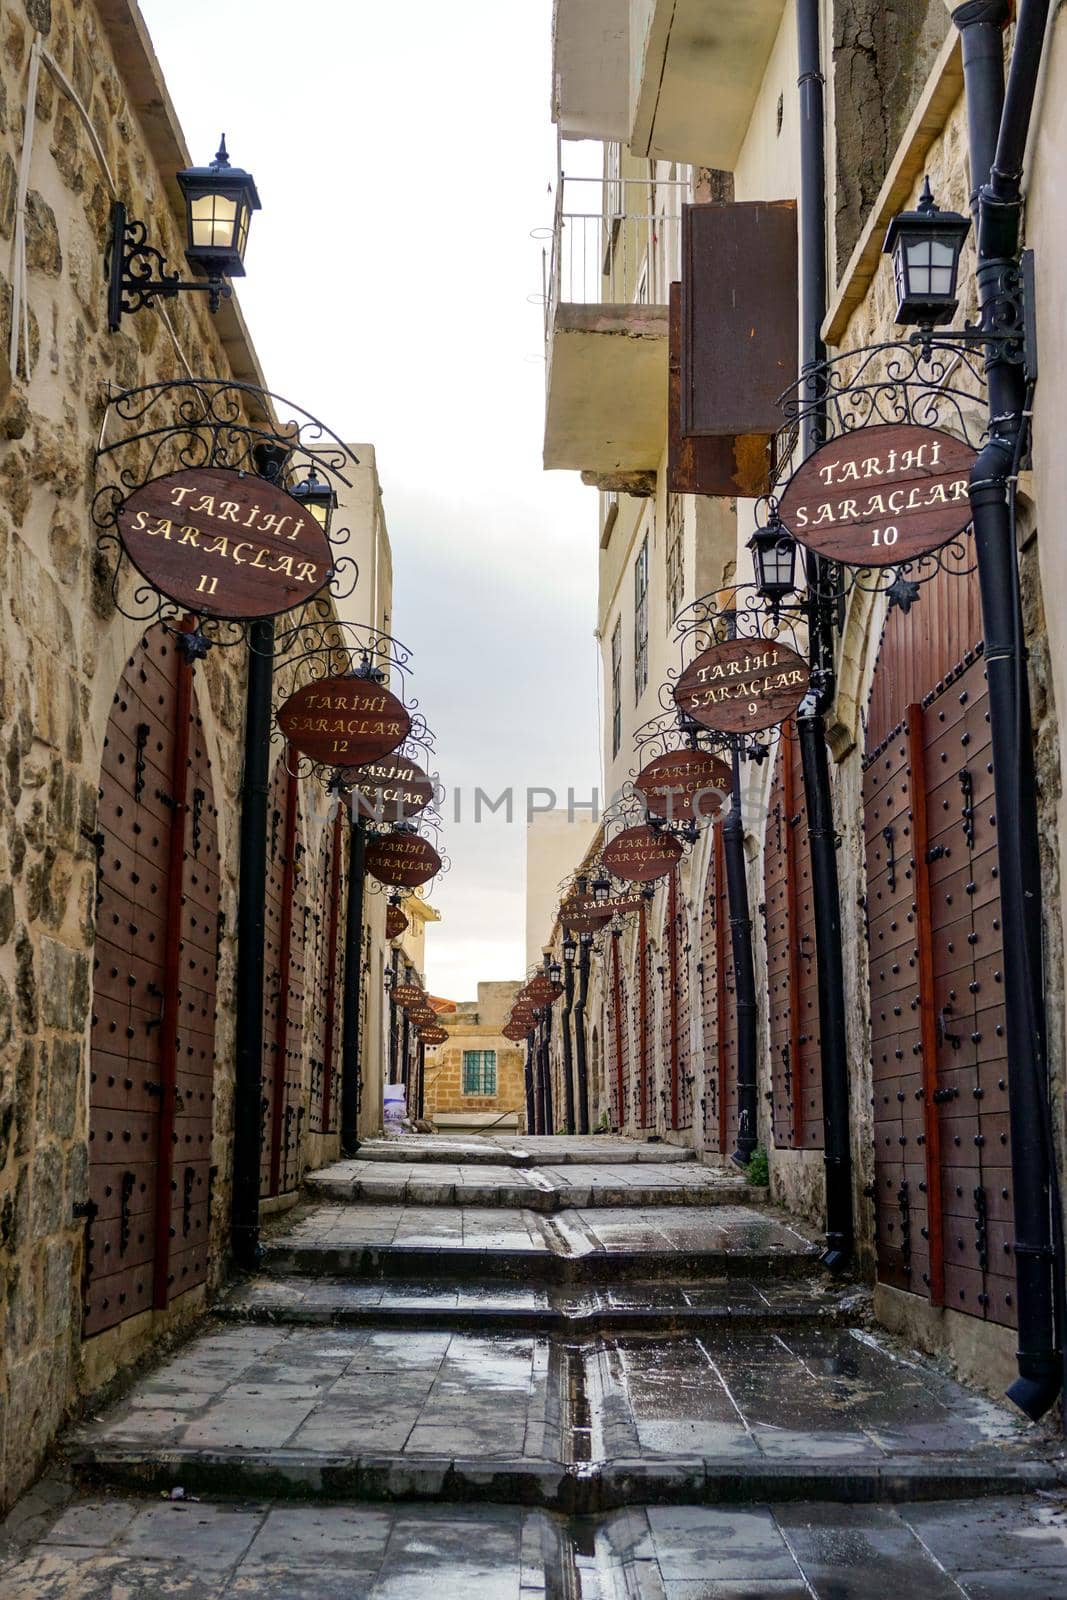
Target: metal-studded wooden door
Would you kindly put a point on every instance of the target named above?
(683, 1062)
(643, 991)
(328, 961)
(152, 1031)
(789, 918)
(718, 1008)
(283, 991)
(943, 1190)
(618, 1045)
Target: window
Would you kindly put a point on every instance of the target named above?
(641, 621)
(616, 688)
(675, 557)
(479, 1072)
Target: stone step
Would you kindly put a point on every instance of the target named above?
(543, 1189)
(594, 1245)
(507, 1150)
(262, 1551)
(352, 1414)
(513, 1308)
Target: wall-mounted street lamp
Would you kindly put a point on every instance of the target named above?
(925, 245)
(601, 888)
(316, 497)
(774, 560)
(219, 201)
(555, 971)
(570, 949)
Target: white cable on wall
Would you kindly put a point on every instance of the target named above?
(20, 311)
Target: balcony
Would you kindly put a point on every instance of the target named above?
(615, 244)
(590, 66)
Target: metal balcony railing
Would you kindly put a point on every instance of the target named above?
(615, 241)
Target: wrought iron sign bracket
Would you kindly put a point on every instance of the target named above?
(1010, 328)
(131, 264)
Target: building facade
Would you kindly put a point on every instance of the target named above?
(124, 751)
(474, 1078)
(932, 1161)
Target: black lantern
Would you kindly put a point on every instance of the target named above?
(388, 978)
(774, 560)
(219, 202)
(316, 497)
(925, 245)
(555, 971)
(570, 948)
(601, 888)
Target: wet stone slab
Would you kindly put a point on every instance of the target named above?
(681, 1240)
(101, 1548)
(515, 1150)
(543, 1189)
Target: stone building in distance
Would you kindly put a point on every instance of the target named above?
(475, 1080)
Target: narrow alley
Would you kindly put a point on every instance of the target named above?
(498, 1367)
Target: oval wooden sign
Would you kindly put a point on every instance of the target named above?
(389, 790)
(422, 1014)
(395, 922)
(640, 854)
(584, 914)
(224, 543)
(743, 685)
(881, 495)
(433, 1035)
(403, 860)
(407, 994)
(542, 991)
(684, 784)
(514, 1032)
(344, 722)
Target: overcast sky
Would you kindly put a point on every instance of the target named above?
(403, 154)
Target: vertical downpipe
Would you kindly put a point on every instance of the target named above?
(733, 840)
(811, 727)
(579, 1033)
(568, 1054)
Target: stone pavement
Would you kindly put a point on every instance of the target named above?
(432, 1390)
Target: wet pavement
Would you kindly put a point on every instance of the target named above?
(430, 1389)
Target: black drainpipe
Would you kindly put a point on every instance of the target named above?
(999, 124)
(568, 1060)
(733, 849)
(584, 942)
(546, 1057)
(811, 726)
(531, 1124)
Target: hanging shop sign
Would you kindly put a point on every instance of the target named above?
(683, 785)
(514, 1032)
(585, 914)
(640, 854)
(433, 1035)
(403, 860)
(395, 922)
(422, 1014)
(407, 994)
(344, 722)
(542, 991)
(743, 685)
(882, 495)
(225, 543)
(389, 790)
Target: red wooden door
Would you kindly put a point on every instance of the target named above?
(718, 1008)
(942, 1142)
(327, 956)
(155, 963)
(283, 990)
(789, 920)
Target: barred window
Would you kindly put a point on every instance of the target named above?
(616, 688)
(479, 1072)
(675, 557)
(641, 621)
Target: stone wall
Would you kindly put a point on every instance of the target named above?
(63, 645)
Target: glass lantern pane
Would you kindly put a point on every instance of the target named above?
(213, 217)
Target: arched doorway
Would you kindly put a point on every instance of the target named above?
(792, 977)
(152, 1040)
(943, 1183)
(284, 980)
(718, 1008)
